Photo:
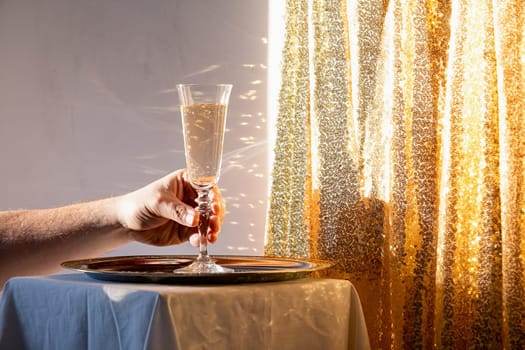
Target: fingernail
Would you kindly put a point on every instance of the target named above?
(191, 218)
(194, 240)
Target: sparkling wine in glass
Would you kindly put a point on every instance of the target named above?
(203, 109)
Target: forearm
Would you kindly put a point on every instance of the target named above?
(36, 241)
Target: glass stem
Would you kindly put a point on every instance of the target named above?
(204, 209)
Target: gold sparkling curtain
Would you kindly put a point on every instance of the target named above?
(400, 157)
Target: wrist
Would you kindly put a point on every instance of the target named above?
(108, 211)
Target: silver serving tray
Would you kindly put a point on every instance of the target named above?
(159, 269)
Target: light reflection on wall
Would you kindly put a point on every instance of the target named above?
(245, 164)
(103, 116)
(244, 171)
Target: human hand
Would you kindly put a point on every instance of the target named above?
(162, 213)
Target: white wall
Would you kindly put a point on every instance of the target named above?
(88, 108)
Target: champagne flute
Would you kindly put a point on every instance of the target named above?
(203, 109)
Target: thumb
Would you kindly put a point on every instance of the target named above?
(180, 212)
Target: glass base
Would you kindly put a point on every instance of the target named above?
(203, 265)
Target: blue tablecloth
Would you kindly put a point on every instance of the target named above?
(73, 311)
